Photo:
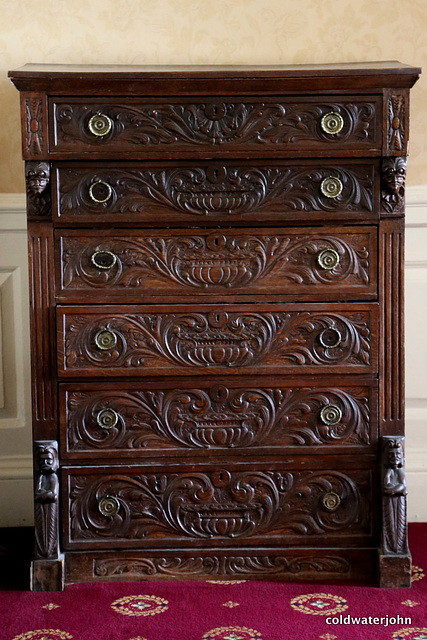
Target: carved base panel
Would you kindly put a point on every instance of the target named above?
(394, 571)
(47, 575)
(291, 565)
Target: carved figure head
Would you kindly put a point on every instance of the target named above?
(37, 176)
(394, 174)
(47, 458)
(394, 454)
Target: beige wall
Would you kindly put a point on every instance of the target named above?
(203, 32)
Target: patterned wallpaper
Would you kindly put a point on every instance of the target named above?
(201, 32)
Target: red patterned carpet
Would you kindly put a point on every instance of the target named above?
(216, 611)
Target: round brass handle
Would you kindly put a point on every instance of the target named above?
(331, 414)
(331, 187)
(105, 340)
(332, 122)
(107, 418)
(331, 501)
(328, 259)
(100, 124)
(109, 506)
(330, 338)
(103, 259)
(100, 192)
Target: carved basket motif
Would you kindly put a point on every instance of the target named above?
(164, 507)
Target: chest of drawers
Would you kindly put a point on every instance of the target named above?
(216, 313)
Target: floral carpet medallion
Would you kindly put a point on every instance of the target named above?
(140, 605)
(414, 633)
(417, 573)
(44, 634)
(319, 604)
(232, 633)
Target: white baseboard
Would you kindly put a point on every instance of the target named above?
(16, 503)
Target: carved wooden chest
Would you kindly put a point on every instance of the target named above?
(216, 260)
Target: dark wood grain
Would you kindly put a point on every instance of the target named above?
(210, 193)
(139, 420)
(42, 322)
(229, 505)
(142, 128)
(217, 340)
(336, 565)
(285, 263)
(218, 390)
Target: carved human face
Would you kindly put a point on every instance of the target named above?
(394, 172)
(395, 454)
(37, 177)
(46, 459)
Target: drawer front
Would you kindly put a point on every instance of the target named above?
(320, 264)
(141, 127)
(203, 192)
(150, 340)
(133, 421)
(214, 506)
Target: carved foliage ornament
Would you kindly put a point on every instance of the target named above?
(217, 190)
(216, 123)
(396, 123)
(394, 495)
(213, 261)
(34, 126)
(46, 498)
(217, 339)
(217, 417)
(219, 504)
(37, 176)
(393, 184)
(219, 566)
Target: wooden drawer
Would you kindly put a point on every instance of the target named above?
(176, 418)
(232, 504)
(118, 265)
(208, 193)
(208, 126)
(237, 339)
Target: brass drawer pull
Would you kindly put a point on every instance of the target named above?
(331, 187)
(331, 414)
(103, 259)
(105, 340)
(109, 506)
(328, 259)
(100, 192)
(107, 418)
(332, 122)
(100, 124)
(330, 338)
(331, 501)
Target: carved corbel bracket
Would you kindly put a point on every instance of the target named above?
(393, 177)
(394, 491)
(46, 490)
(37, 176)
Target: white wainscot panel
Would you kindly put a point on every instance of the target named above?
(416, 352)
(15, 403)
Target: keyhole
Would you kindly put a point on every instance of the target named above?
(218, 318)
